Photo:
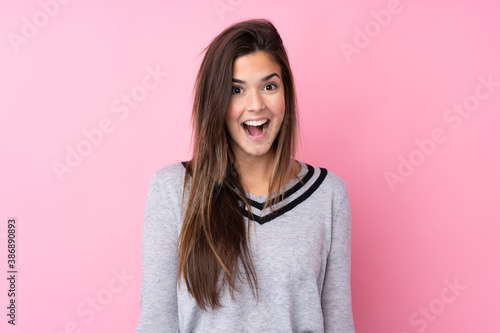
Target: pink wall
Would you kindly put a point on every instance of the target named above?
(400, 98)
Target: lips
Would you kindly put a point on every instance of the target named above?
(255, 128)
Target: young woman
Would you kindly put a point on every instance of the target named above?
(244, 238)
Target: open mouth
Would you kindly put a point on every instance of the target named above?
(255, 127)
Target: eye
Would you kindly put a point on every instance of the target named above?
(236, 90)
(270, 86)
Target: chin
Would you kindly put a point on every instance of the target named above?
(259, 152)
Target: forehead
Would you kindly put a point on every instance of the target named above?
(256, 65)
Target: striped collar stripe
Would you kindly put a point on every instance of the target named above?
(296, 191)
(296, 194)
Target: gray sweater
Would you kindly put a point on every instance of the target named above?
(300, 251)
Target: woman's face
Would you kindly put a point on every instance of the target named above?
(257, 106)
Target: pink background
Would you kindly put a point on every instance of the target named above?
(361, 111)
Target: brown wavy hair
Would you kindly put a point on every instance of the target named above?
(214, 239)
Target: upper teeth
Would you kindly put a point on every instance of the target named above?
(255, 122)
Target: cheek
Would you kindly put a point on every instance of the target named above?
(232, 121)
(278, 108)
(230, 115)
(233, 112)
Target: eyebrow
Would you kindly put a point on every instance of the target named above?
(263, 79)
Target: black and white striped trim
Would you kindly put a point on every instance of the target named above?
(296, 191)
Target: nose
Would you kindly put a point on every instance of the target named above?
(255, 102)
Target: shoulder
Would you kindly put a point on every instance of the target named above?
(168, 181)
(170, 172)
(336, 183)
(328, 182)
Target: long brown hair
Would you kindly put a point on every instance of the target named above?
(213, 238)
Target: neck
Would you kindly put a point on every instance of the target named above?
(254, 172)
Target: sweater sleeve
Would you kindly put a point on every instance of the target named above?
(336, 295)
(158, 299)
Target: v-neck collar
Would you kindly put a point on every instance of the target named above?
(296, 191)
